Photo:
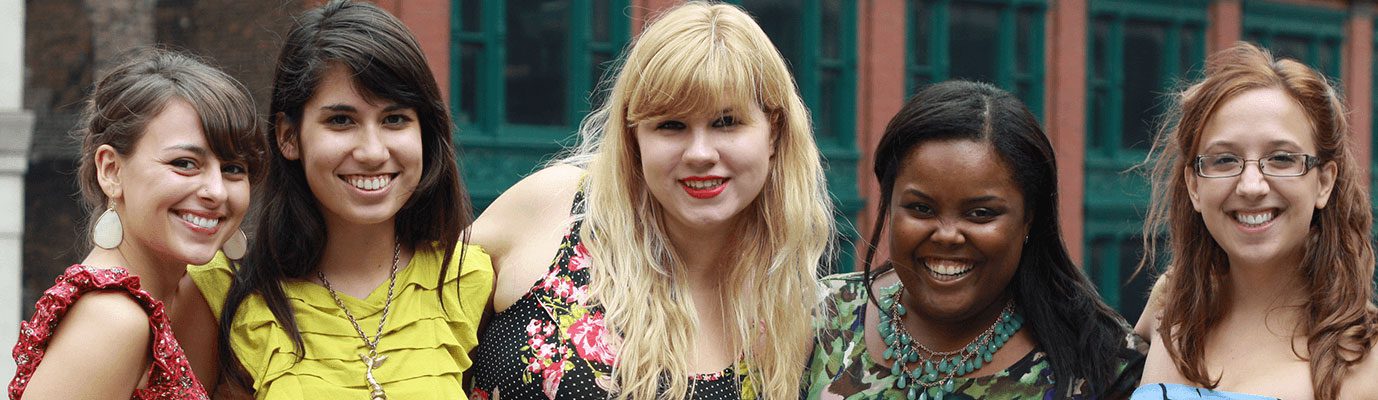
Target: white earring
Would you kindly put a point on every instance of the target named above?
(236, 246)
(108, 232)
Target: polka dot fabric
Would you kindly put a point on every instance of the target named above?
(550, 345)
(169, 374)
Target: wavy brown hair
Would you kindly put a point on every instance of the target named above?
(1339, 317)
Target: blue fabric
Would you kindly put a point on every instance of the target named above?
(1172, 391)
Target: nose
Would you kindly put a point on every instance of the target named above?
(370, 149)
(948, 233)
(1252, 183)
(213, 186)
(702, 150)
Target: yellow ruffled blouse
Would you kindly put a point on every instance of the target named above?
(427, 348)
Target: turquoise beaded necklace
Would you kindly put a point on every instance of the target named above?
(933, 372)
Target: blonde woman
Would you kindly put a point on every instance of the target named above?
(674, 253)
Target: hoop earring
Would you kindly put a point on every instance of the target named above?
(237, 245)
(109, 231)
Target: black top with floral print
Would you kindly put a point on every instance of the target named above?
(550, 344)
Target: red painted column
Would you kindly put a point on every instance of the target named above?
(1357, 75)
(1066, 119)
(1226, 25)
(429, 20)
(880, 94)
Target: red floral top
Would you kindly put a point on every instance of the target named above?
(169, 376)
(551, 344)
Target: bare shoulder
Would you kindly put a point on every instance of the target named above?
(1147, 327)
(540, 197)
(103, 342)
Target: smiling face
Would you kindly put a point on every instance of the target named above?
(1258, 219)
(362, 156)
(957, 229)
(704, 170)
(178, 202)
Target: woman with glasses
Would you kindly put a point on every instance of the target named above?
(1269, 286)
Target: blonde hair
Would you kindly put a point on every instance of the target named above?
(1339, 319)
(693, 59)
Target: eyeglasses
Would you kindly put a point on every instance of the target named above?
(1280, 164)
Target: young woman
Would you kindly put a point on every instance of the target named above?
(357, 283)
(1269, 293)
(675, 253)
(167, 147)
(979, 298)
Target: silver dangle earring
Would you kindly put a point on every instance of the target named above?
(236, 246)
(108, 232)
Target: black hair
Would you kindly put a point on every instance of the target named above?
(386, 63)
(1082, 336)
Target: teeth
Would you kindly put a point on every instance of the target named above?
(370, 183)
(201, 222)
(701, 185)
(1255, 218)
(947, 267)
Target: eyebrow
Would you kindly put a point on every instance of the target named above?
(194, 149)
(351, 109)
(973, 200)
(1228, 145)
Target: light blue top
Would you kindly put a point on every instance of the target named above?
(1173, 391)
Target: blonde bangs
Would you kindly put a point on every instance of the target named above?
(702, 67)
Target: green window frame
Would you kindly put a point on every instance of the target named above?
(496, 153)
(1017, 58)
(820, 48)
(1312, 35)
(1121, 116)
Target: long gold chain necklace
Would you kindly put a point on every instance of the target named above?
(371, 359)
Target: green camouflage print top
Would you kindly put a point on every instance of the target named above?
(841, 368)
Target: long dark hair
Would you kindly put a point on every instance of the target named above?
(1081, 335)
(387, 63)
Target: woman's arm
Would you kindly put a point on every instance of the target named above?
(100, 350)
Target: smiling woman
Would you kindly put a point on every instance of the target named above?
(358, 283)
(166, 147)
(673, 255)
(1268, 227)
(979, 298)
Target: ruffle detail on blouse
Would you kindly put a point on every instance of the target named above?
(427, 347)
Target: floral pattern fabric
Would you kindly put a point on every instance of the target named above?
(842, 368)
(552, 344)
(169, 375)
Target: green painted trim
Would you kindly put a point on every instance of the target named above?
(1292, 19)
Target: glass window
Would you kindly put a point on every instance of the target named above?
(998, 42)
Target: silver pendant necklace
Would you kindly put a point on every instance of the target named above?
(372, 360)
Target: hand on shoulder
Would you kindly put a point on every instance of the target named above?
(100, 349)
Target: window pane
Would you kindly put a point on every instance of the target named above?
(825, 116)
(832, 28)
(922, 20)
(1144, 47)
(470, 17)
(1100, 44)
(1325, 60)
(601, 64)
(468, 83)
(1134, 292)
(536, 53)
(1284, 46)
(780, 20)
(975, 28)
(600, 20)
(1024, 32)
